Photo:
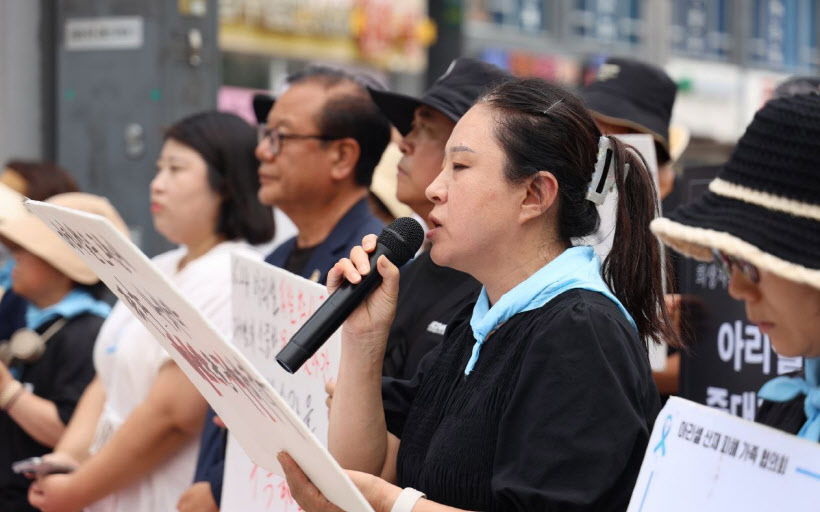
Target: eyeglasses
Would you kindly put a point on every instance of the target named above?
(728, 263)
(275, 138)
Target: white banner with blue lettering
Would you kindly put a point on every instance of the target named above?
(703, 459)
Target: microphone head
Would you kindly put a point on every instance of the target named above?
(403, 237)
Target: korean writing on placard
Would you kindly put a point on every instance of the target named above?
(742, 345)
(270, 491)
(710, 277)
(268, 310)
(92, 245)
(730, 446)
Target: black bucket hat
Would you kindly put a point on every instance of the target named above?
(452, 94)
(764, 205)
(262, 103)
(634, 94)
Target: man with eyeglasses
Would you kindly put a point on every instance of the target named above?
(317, 152)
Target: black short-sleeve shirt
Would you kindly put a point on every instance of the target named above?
(429, 297)
(60, 375)
(556, 414)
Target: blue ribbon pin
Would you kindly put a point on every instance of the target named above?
(667, 427)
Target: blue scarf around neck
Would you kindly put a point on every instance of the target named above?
(75, 303)
(576, 268)
(783, 389)
(5, 274)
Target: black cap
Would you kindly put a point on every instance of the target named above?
(634, 94)
(262, 103)
(452, 94)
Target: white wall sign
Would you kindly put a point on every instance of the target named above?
(702, 459)
(269, 305)
(262, 421)
(104, 33)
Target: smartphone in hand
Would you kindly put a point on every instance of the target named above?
(38, 466)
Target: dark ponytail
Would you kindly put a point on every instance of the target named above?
(635, 269)
(541, 126)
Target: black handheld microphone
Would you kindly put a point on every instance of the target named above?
(399, 242)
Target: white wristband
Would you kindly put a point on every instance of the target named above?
(407, 500)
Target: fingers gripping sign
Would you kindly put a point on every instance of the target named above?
(307, 495)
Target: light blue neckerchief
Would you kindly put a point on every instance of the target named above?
(783, 389)
(577, 267)
(75, 303)
(5, 274)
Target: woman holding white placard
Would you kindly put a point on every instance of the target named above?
(134, 436)
(540, 396)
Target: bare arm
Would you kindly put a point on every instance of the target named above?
(357, 434)
(38, 417)
(172, 413)
(79, 434)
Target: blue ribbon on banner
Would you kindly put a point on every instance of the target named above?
(667, 427)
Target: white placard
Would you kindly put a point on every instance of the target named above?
(703, 459)
(104, 33)
(255, 413)
(269, 305)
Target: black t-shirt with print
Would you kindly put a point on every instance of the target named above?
(429, 297)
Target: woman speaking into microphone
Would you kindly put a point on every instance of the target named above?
(541, 396)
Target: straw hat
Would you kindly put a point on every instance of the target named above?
(385, 181)
(32, 234)
(11, 203)
(764, 205)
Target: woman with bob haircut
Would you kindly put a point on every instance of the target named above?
(541, 396)
(134, 435)
(760, 221)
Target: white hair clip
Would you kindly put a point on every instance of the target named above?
(603, 179)
(553, 106)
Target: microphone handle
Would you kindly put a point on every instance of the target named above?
(330, 316)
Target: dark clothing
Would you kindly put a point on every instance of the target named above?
(210, 464)
(12, 314)
(348, 233)
(429, 297)
(786, 416)
(556, 414)
(676, 261)
(297, 260)
(60, 375)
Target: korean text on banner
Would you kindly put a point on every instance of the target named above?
(269, 305)
(703, 459)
